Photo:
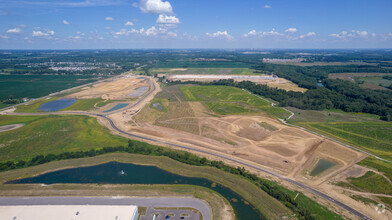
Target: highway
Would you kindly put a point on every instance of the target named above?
(174, 202)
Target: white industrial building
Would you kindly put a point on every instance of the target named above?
(68, 212)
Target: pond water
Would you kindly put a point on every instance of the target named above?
(56, 105)
(124, 173)
(320, 84)
(321, 166)
(117, 107)
(138, 92)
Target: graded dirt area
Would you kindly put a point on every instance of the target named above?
(10, 127)
(271, 81)
(118, 88)
(260, 139)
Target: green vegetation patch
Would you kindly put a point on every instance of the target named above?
(371, 182)
(34, 86)
(200, 64)
(85, 104)
(374, 136)
(226, 100)
(381, 166)
(203, 71)
(53, 134)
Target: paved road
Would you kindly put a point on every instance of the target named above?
(143, 202)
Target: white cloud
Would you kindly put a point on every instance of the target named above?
(109, 19)
(351, 34)
(65, 22)
(150, 32)
(164, 19)
(129, 23)
(271, 33)
(374, 34)
(14, 31)
(4, 37)
(44, 34)
(309, 34)
(267, 6)
(122, 32)
(250, 33)
(291, 30)
(155, 6)
(220, 34)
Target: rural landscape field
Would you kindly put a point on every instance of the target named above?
(195, 110)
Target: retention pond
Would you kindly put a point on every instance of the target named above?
(124, 173)
(56, 105)
(321, 166)
(117, 107)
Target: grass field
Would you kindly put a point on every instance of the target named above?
(199, 71)
(53, 134)
(201, 64)
(372, 136)
(34, 86)
(370, 182)
(228, 100)
(86, 104)
(379, 165)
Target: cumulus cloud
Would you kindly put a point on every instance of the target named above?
(291, 30)
(129, 23)
(14, 31)
(65, 22)
(43, 34)
(250, 33)
(351, 34)
(309, 34)
(220, 34)
(271, 33)
(261, 34)
(150, 32)
(267, 6)
(155, 6)
(164, 19)
(109, 19)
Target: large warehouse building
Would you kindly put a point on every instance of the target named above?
(67, 212)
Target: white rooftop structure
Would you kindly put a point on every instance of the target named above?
(68, 212)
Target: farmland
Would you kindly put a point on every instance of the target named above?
(372, 136)
(200, 64)
(34, 86)
(209, 71)
(53, 134)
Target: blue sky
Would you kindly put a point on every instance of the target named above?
(90, 24)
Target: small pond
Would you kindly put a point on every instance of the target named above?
(138, 92)
(321, 166)
(56, 105)
(117, 107)
(320, 84)
(125, 173)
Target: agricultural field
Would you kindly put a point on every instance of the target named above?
(43, 135)
(34, 86)
(369, 182)
(227, 100)
(372, 136)
(200, 64)
(203, 71)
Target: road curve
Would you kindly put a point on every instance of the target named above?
(119, 201)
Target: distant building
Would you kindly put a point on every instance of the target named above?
(69, 212)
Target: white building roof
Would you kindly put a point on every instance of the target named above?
(68, 212)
